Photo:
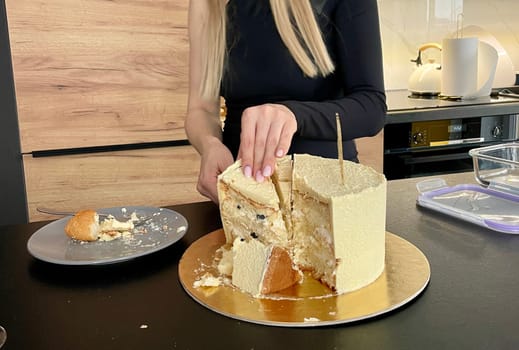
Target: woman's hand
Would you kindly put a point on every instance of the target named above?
(266, 133)
(215, 159)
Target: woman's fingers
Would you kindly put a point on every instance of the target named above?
(247, 141)
(268, 163)
(285, 139)
(208, 192)
(213, 163)
(260, 138)
(266, 134)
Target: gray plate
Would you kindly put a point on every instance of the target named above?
(51, 244)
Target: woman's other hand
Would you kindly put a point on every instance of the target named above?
(266, 134)
(215, 159)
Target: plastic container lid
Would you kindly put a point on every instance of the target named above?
(493, 209)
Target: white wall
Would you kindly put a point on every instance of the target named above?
(406, 24)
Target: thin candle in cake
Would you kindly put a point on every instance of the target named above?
(339, 146)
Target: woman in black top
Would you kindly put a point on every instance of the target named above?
(282, 90)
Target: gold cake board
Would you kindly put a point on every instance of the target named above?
(308, 304)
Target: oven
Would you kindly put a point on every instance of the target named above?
(433, 143)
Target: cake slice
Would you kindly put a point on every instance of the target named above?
(272, 269)
(111, 228)
(282, 179)
(250, 209)
(85, 226)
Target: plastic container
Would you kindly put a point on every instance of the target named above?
(494, 203)
(497, 167)
(493, 209)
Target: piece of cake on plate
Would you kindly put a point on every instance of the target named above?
(86, 226)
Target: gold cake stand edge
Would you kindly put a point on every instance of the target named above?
(406, 274)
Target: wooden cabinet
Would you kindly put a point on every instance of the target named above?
(98, 73)
(149, 177)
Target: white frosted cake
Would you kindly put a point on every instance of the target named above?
(332, 229)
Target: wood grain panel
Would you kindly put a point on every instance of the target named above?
(151, 177)
(97, 72)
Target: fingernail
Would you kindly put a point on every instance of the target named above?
(279, 153)
(267, 171)
(247, 171)
(259, 176)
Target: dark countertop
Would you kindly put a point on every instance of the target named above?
(470, 303)
(403, 109)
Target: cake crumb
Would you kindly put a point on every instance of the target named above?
(207, 280)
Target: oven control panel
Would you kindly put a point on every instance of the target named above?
(461, 131)
(441, 146)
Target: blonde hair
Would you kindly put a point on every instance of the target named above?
(297, 26)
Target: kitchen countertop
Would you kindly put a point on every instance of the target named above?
(403, 109)
(470, 303)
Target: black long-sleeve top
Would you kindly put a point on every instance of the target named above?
(259, 69)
